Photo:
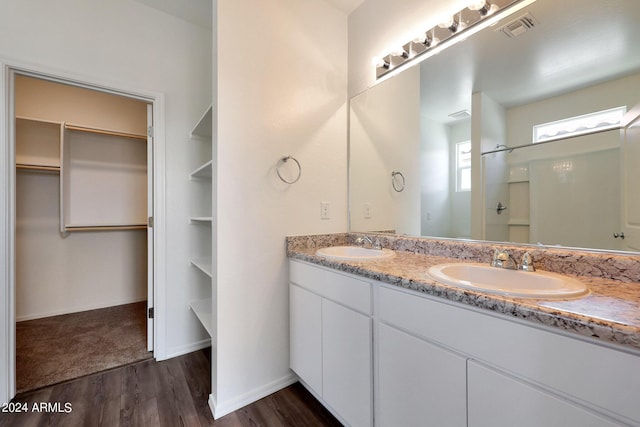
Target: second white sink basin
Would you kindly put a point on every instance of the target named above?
(354, 253)
(515, 283)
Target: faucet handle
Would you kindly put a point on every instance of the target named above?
(499, 257)
(364, 241)
(377, 244)
(494, 259)
(503, 259)
(527, 262)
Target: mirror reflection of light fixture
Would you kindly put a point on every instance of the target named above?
(476, 16)
(483, 7)
(450, 24)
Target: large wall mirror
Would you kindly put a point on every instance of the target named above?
(446, 148)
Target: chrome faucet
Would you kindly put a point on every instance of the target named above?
(503, 259)
(367, 242)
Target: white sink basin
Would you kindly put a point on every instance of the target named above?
(354, 253)
(515, 283)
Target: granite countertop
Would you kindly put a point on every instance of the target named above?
(611, 312)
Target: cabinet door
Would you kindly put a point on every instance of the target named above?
(346, 363)
(419, 384)
(496, 400)
(306, 336)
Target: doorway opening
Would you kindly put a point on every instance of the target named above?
(84, 241)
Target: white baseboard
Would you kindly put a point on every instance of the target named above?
(78, 309)
(189, 348)
(219, 410)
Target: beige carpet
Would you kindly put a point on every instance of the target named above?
(59, 348)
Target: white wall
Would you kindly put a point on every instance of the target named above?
(435, 163)
(493, 129)
(127, 45)
(281, 82)
(384, 136)
(460, 200)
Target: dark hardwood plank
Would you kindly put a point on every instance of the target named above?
(138, 387)
(26, 419)
(297, 407)
(105, 390)
(174, 400)
(171, 393)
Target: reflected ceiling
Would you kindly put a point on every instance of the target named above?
(574, 43)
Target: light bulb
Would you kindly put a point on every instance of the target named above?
(400, 52)
(380, 62)
(424, 39)
(477, 4)
(450, 23)
(483, 7)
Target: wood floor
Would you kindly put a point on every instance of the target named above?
(170, 393)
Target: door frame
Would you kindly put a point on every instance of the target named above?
(8, 205)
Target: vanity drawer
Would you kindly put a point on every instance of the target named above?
(343, 289)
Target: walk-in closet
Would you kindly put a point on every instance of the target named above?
(82, 208)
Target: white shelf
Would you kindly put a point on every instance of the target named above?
(204, 265)
(37, 144)
(198, 219)
(202, 310)
(203, 129)
(204, 171)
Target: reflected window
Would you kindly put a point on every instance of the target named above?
(579, 125)
(463, 166)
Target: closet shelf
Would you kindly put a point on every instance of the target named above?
(105, 227)
(204, 265)
(200, 219)
(80, 128)
(203, 129)
(202, 310)
(42, 168)
(33, 119)
(204, 171)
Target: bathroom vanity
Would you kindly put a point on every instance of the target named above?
(379, 342)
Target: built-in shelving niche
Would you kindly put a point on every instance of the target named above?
(201, 219)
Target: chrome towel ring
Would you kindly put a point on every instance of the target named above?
(284, 160)
(398, 184)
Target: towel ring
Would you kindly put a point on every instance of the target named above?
(396, 186)
(284, 160)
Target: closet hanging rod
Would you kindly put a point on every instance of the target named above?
(105, 227)
(42, 168)
(79, 128)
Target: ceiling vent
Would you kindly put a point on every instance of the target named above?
(519, 26)
(464, 114)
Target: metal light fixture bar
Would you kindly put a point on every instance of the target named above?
(478, 15)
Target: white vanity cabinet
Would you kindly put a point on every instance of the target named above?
(331, 339)
(439, 363)
(509, 373)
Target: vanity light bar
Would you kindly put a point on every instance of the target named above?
(477, 15)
